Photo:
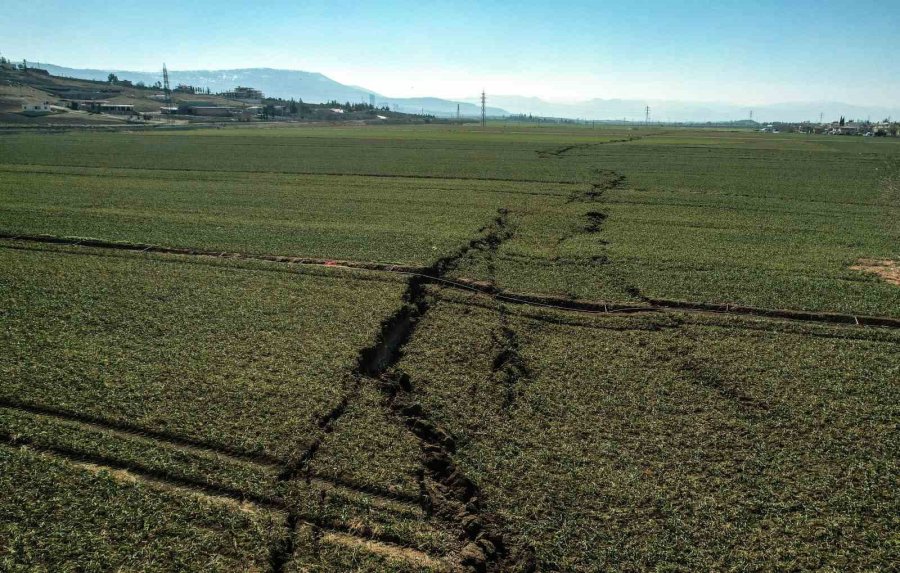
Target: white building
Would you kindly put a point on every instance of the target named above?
(36, 108)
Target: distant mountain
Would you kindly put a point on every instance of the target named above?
(309, 86)
(317, 88)
(685, 111)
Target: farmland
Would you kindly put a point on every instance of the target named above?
(436, 347)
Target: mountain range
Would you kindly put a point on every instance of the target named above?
(311, 87)
(314, 87)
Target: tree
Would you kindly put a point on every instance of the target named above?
(112, 78)
(293, 107)
(140, 85)
(842, 121)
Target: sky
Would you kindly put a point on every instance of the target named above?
(740, 52)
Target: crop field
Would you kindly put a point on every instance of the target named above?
(442, 348)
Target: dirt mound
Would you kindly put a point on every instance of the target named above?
(887, 269)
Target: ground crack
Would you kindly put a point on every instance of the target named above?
(559, 152)
(446, 491)
(509, 366)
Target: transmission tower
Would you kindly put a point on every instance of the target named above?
(647, 115)
(166, 90)
(457, 113)
(751, 115)
(483, 114)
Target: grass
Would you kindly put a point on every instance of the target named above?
(315, 216)
(235, 357)
(711, 216)
(55, 517)
(197, 413)
(665, 443)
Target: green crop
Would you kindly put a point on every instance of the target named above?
(204, 412)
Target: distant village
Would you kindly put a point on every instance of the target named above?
(865, 128)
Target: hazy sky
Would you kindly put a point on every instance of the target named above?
(725, 50)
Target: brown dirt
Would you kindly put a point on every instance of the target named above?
(887, 269)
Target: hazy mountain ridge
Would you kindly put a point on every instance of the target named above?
(687, 111)
(315, 87)
(311, 87)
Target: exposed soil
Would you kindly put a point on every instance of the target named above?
(887, 269)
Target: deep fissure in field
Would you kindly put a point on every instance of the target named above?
(509, 366)
(446, 491)
(559, 152)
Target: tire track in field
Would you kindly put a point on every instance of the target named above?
(131, 472)
(133, 430)
(167, 440)
(336, 174)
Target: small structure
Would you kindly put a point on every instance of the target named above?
(849, 128)
(85, 104)
(243, 93)
(117, 108)
(168, 110)
(36, 108)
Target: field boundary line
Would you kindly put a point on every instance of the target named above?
(646, 305)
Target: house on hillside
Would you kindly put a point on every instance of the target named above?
(37, 108)
(85, 104)
(849, 128)
(245, 94)
(117, 108)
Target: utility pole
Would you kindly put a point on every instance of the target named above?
(483, 109)
(166, 89)
(457, 113)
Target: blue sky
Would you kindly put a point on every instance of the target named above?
(740, 52)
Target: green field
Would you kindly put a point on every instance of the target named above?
(196, 412)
